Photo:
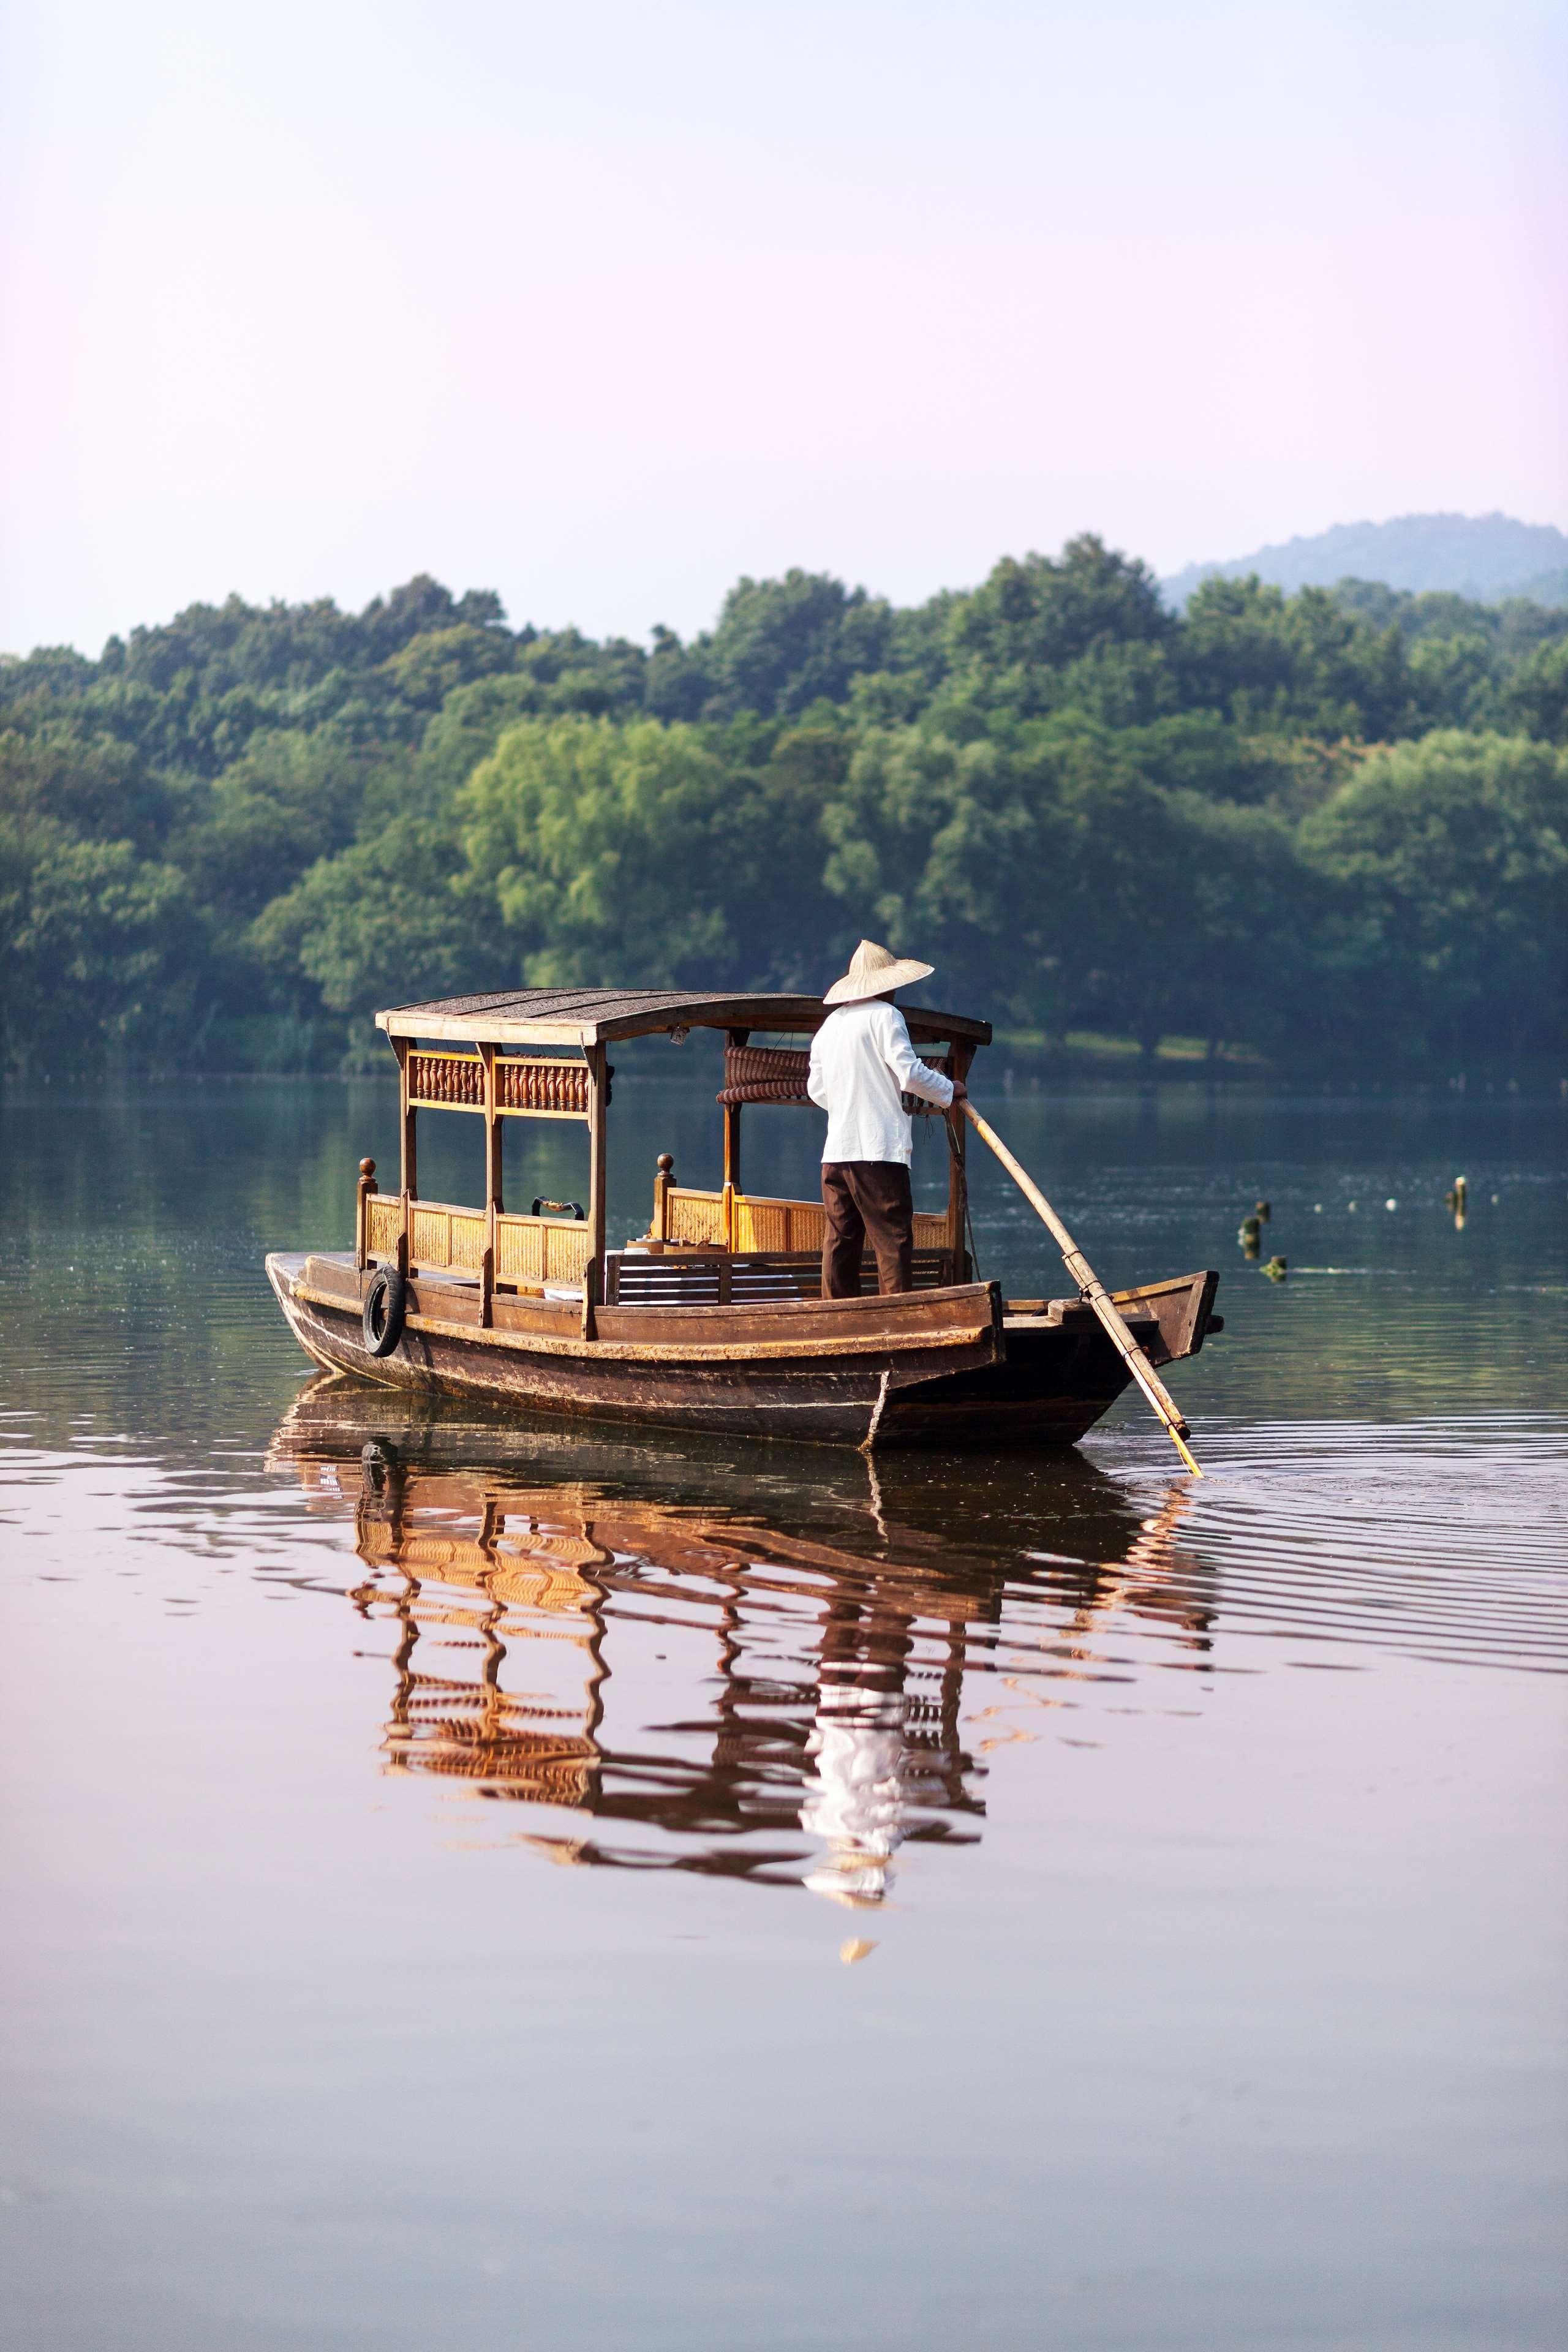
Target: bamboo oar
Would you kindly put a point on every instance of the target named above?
(1094, 1290)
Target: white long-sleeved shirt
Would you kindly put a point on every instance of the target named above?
(861, 1062)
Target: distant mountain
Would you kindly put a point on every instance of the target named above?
(1546, 588)
(1484, 556)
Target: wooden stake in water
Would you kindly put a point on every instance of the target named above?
(1092, 1288)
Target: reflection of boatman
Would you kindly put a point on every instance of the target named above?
(862, 1064)
(867, 1779)
(857, 1800)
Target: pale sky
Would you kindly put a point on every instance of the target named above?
(601, 306)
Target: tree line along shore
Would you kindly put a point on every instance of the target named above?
(1329, 827)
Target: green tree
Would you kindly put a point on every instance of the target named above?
(781, 644)
(1450, 858)
(1270, 661)
(635, 853)
(428, 668)
(389, 919)
(1032, 618)
(95, 949)
(93, 785)
(289, 798)
(955, 843)
(1122, 897)
(1537, 694)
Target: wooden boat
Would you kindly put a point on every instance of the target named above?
(712, 1319)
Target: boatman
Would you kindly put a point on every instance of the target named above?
(862, 1064)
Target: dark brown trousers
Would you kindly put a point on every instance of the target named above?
(867, 1198)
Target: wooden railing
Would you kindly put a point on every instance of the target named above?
(747, 1221)
(443, 1239)
(528, 1252)
(528, 1085)
(541, 1249)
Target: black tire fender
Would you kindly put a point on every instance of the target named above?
(385, 1305)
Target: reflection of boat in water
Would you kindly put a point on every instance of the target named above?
(825, 1633)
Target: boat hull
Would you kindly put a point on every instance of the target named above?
(930, 1368)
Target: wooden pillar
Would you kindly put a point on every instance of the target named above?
(495, 1164)
(958, 1174)
(732, 1168)
(597, 1088)
(664, 1177)
(599, 1077)
(408, 1164)
(736, 1037)
(492, 1183)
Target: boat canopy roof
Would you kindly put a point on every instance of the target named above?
(592, 1016)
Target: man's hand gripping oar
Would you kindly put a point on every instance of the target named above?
(1092, 1288)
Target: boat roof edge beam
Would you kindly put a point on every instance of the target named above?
(416, 1022)
(590, 1016)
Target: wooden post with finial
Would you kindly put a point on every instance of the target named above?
(362, 1192)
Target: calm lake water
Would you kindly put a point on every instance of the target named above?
(478, 1885)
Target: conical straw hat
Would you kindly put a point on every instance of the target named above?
(873, 971)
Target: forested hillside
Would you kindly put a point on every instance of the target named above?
(1325, 825)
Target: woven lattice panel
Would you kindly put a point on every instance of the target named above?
(760, 1223)
(441, 1237)
(383, 1224)
(534, 1249)
(519, 1250)
(777, 1225)
(694, 1216)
